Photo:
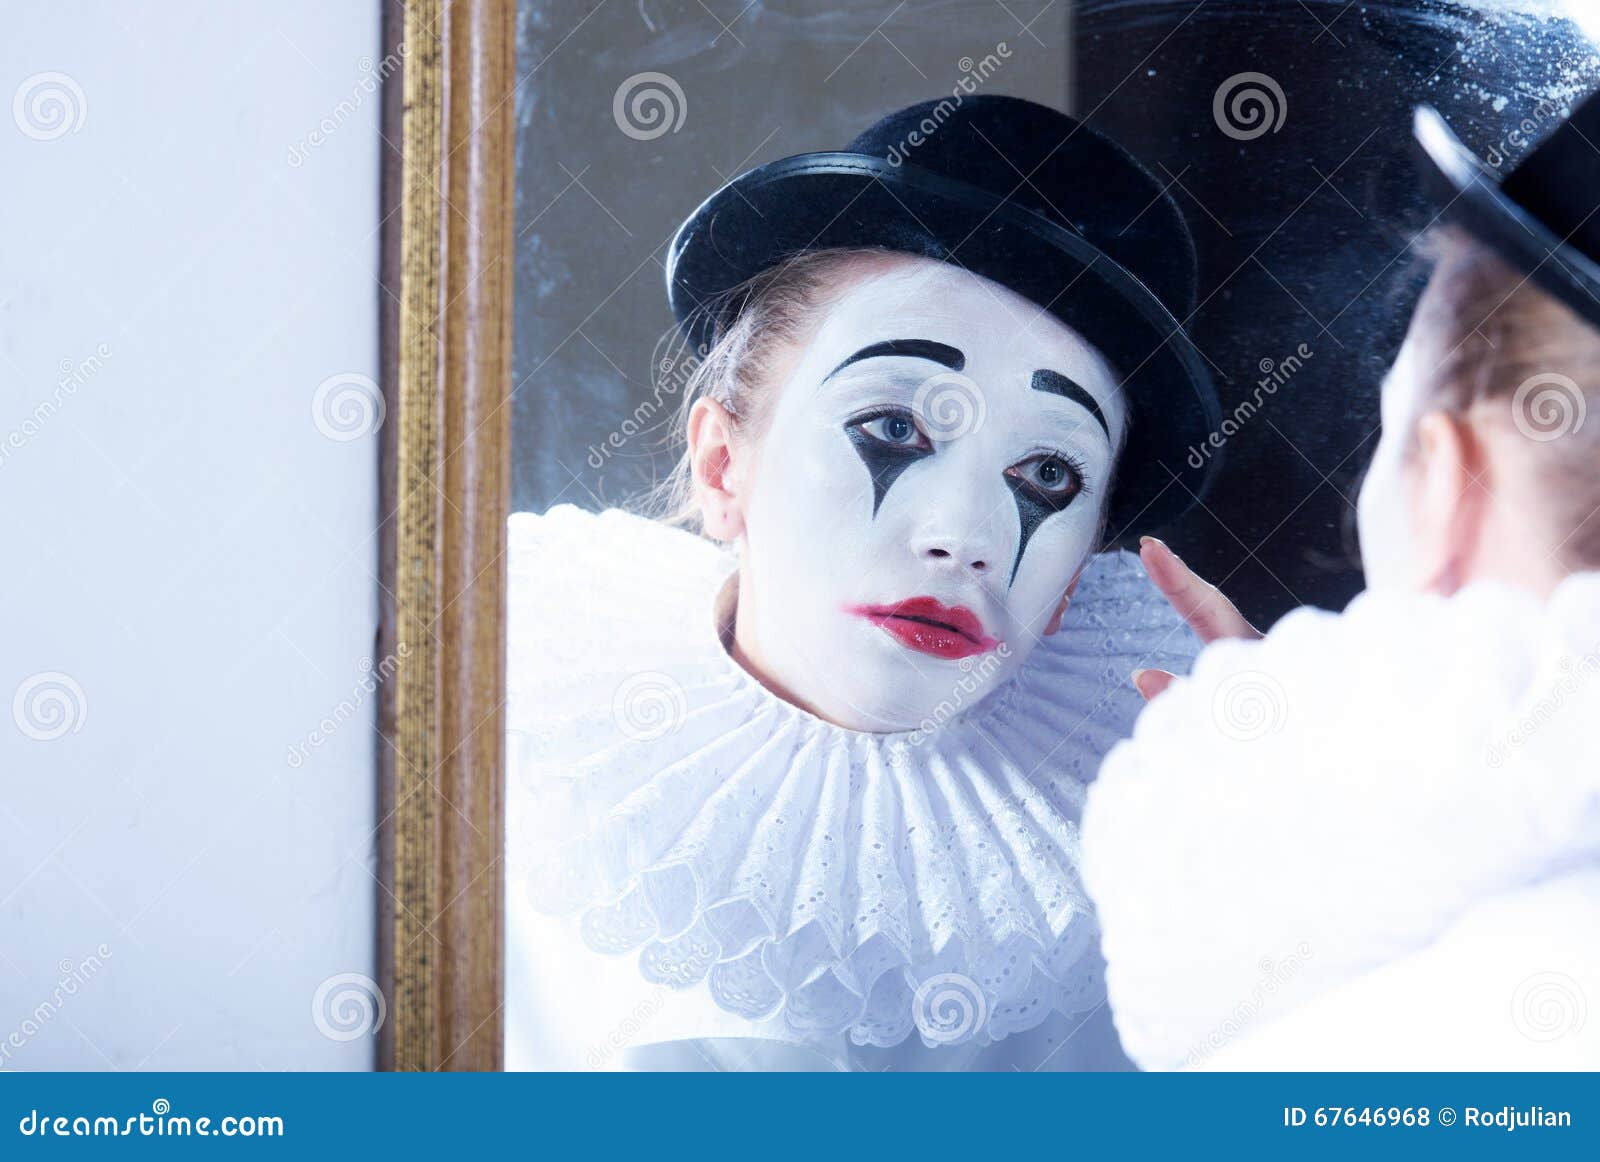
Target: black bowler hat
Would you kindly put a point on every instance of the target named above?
(1543, 218)
(1024, 196)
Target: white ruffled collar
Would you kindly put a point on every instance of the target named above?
(1306, 808)
(829, 880)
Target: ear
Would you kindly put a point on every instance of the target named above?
(711, 458)
(1450, 499)
(1054, 623)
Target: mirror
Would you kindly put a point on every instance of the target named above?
(793, 784)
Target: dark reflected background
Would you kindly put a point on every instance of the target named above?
(1305, 232)
(600, 191)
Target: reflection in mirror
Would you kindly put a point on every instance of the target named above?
(850, 374)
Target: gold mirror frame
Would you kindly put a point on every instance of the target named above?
(447, 239)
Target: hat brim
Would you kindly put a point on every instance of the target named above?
(830, 200)
(1468, 194)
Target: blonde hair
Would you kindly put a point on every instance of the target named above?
(762, 319)
(1491, 336)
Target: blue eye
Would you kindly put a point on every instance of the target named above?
(896, 429)
(1051, 476)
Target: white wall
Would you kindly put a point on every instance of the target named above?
(184, 548)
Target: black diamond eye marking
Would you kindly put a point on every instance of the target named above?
(884, 462)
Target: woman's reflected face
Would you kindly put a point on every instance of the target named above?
(933, 476)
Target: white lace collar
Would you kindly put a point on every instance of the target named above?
(832, 880)
(1306, 808)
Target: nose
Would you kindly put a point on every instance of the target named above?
(947, 550)
(959, 526)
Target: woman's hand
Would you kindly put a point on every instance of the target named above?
(1202, 605)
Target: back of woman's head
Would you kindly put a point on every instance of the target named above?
(1491, 342)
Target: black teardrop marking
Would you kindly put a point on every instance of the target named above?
(884, 462)
(1031, 511)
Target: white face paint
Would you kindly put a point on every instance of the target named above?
(1383, 510)
(931, 480)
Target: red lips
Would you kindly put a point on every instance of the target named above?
(929, 626)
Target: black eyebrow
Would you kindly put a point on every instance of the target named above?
(914, 348)
(1058, 384)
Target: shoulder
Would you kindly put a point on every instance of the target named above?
(1505, 987)
(1429, 750)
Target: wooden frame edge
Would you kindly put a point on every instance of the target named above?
(447, 239)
